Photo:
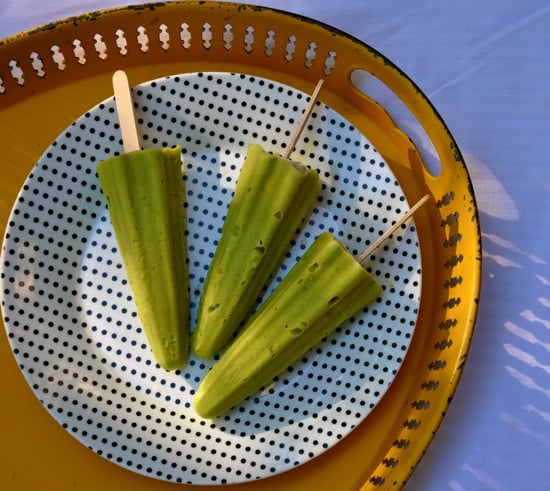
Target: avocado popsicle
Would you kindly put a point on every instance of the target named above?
(324, 288)
(273, 196)
(144, 191)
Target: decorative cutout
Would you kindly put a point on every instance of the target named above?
(2, 88)
(164, 37)
(453, 282)
(377, 480)
(121, 42)
(391, 462)
(452, 303)
(420, 405)
(17, 72)
(451, 219)
(207, 35)
(58, 57)
(38, 65)
(249, 40)
(330, 62)
(446, 199)
(448, 324)
(401, 443)
(100, 47)
(411, 424)
(454, 261)
(228, 36)
(311, 55)
(143, 39)
(453, 240)
(185, 36)
(437, 365)
(79, 51)
(290, 48)
(430, 385)
(443, 345)
(270, 43)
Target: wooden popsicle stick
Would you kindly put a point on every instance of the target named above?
(367, 252)
(303, 121)
(125, 109)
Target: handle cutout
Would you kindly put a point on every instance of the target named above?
(374, 88)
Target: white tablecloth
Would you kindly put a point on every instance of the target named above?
(485, 65)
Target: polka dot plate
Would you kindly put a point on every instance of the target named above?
(73, 327)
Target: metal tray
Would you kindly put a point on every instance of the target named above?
(72, 61)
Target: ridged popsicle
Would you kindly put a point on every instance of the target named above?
(272, 198)
(144, 190)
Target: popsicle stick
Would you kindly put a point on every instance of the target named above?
(125, 109)
(367, 252)
(303, 121)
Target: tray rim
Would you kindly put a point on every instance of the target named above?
(385, 473)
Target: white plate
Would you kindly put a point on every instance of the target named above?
(71, 321)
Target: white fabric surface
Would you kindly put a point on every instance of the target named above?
(486, 67)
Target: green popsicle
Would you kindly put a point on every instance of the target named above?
(272, 198)
(145, 194)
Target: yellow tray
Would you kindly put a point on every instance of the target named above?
(51, 75)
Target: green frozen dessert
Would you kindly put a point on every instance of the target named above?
(144, 190)
(272, 198)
